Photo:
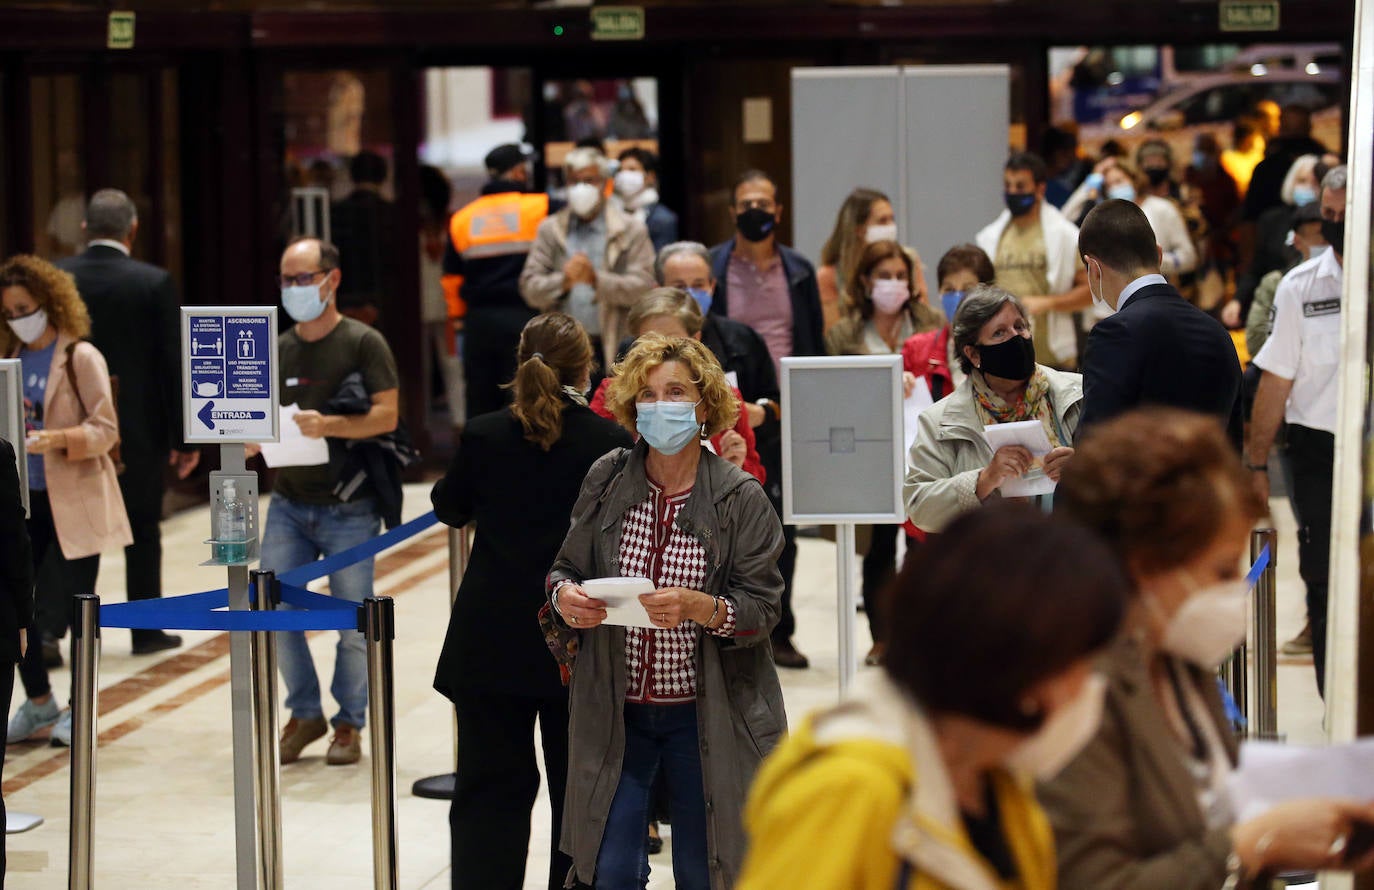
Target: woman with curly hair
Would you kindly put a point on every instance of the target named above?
(70, 427)
(692, 691)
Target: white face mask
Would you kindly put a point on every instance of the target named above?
(890, 295)
(1209, 625)
(1100, 304)
(30, 327)
(1064, 733)
(881, 233)
(583, 198)
(303, 302)
(629, 183)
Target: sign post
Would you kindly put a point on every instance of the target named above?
(842, 460)
(229, 377)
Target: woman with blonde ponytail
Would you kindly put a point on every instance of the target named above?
(516, 476)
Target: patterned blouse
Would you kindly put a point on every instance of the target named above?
(661, 663)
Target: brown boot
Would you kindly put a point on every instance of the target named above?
(299, 733)
(346, 747)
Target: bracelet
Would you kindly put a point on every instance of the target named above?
(553, 600)
(715, 609)
(770, 407)
(1257, 468)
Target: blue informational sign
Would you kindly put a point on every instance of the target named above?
(229, 361)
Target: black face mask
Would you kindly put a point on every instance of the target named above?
(756, 224)
(1334, 233)
(1012, 359)
(1019, 204)
(1156, 175)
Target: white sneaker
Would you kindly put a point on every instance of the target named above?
(62, 730)
(30, 718)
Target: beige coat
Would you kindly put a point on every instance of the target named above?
(950, 450)
(87, 508)
(626, 274)
(1125, 812)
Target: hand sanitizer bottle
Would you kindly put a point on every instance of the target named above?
(231, 543)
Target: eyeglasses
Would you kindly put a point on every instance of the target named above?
(300, 280)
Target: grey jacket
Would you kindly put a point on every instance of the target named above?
(740, 712)
(950, 451)
(1125, 811)
(626, 273)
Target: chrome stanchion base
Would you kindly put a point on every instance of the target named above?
(435, 787)
(18, 823)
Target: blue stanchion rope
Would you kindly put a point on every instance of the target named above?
(309, 611)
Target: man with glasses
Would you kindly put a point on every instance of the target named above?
(307, 520)
(590, 259)
(771, 288)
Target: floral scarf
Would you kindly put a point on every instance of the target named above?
(1034, 404)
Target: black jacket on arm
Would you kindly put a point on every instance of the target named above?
(521, 498)
(16, 561)
(135, 323)
(1161, 350)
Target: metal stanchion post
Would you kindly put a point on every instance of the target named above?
(441, 787)
(1266, 725)
(845, 558)
(379, 628)
(262, 654)
(85, 663)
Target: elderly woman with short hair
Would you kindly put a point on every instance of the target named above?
(952, 468)
(696, 695)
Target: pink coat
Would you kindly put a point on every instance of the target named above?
(87, 507)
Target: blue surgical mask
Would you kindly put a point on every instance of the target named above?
(1303, 195)
(949, 301)
(303, 301)
(668, 427)
(1123, 192)
(703, 297)
(1199, 159)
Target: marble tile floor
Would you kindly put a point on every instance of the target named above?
(164, 797)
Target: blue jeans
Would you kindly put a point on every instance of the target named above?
(297, 534)
(656, 737)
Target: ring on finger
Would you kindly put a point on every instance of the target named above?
(1337, 848)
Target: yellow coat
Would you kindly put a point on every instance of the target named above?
(860, 788)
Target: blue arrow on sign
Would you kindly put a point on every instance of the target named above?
(204, 415)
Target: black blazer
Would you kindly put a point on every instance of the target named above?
(521, 498)
(1161, 350)
(135, 318)
(16, 560)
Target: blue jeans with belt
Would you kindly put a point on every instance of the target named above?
(297, 534)
(657, 737)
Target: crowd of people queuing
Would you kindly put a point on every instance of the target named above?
(622, 421)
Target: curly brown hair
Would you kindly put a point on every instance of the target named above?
(652, 350)
(54, 291)
(1158, 484)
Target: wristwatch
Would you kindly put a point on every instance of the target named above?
(1257, 468)
(770, 406)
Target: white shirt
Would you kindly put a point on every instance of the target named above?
(1305, 346)
(1130, 290)
(106, 242)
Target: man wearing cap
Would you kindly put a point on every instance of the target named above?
(488, 242)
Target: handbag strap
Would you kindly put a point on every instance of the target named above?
(71, 378)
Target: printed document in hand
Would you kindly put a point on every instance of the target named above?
(294, 449)
(1029, 434)
(1271, 773)
(912, 406)
(621, 596)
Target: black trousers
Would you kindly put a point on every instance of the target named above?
(142, 483)
(497, 781)
(6, 694)
(1311, 454)
(880, 564)
(491, 338)
(75, 575)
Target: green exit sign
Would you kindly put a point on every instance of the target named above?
(1249, 15)
(617, 23)
(121, 31)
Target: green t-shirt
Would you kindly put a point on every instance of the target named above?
(310, 376)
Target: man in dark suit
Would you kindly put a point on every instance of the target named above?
(134, 323)
(1155, 348)
(16, 591)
